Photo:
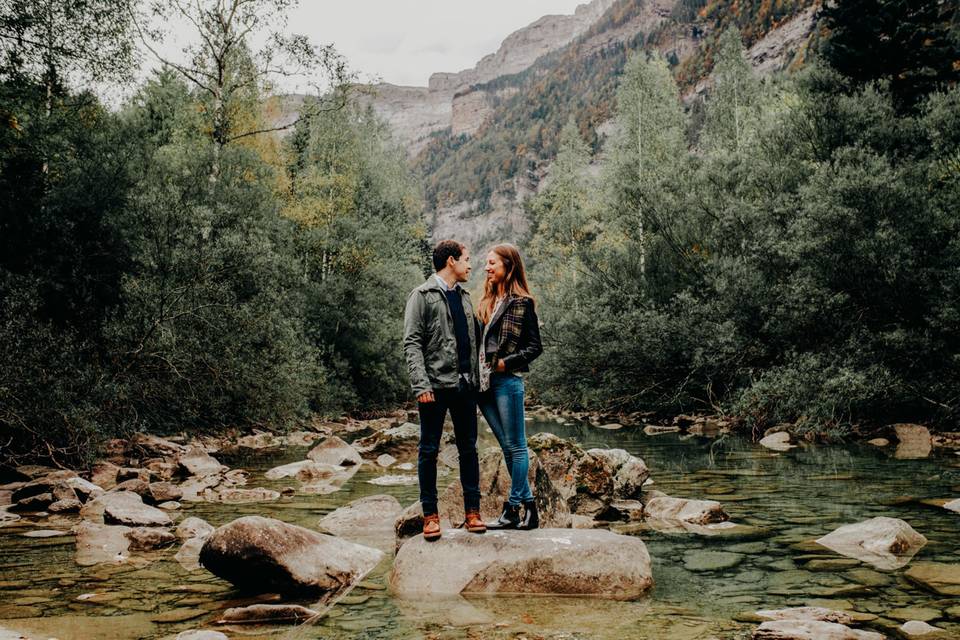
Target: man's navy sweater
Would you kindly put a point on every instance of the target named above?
(460, 329)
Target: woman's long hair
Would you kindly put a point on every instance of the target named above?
(514, 281)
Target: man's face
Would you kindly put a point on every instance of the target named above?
(461, 267)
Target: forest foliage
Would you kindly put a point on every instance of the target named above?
(161, 271)
(795, 259)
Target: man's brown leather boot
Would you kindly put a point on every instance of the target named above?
(473, 523)
(431, 527)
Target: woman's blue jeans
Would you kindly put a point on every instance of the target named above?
(502, 406)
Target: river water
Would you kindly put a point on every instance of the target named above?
(703, 585)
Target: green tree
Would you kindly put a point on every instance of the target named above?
(225, 66)
(912, 44)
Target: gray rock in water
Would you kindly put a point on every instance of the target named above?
(885, 543)
(939, 577)
(779, 441)
(368, 521)
(629, 472)
(810, 630)
(267, 614)
(669, 509)
(495, 489)
(920, 629)
(914, 441)
(149, 538)
(807, 613)
(242, 496)
(164, 492)
(711, 560)
(264, 555)
(197, 462)
(98, 543)
(126, 508)
(193, 527)
(585, 480)
(401, 442)
(335, 451)
(544, 561)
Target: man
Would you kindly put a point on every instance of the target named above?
(440, 344)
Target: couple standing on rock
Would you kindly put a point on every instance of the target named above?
(458, 359)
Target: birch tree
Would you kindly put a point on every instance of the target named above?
(650, 141)
(224, 61)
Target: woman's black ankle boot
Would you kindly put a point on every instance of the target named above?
(509, 519)
(531, 518)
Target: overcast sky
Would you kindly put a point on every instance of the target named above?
(404, 41)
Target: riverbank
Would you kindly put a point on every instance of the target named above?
(709, 581)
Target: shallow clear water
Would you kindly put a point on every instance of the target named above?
(792, 498)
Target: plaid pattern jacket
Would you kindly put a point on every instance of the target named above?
(514, 334)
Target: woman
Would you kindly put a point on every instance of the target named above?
(511, 341)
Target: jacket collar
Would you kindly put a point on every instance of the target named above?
(431, 284)
(502, 309)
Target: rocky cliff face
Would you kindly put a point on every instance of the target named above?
(522, 48)
(415, 113)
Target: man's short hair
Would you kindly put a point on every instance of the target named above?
(446, 249)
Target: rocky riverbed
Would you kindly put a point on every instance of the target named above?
(682, 531)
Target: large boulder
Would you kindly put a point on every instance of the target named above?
(335, 451)
(266, 555)
(401, 442)
(589, 480)
(126, 508)
(194, 461)
(810, 630)
(495, 489)
(629, 472)
(544, 561)
(368, 521)
(885, 543)
(681, 510)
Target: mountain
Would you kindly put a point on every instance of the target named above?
(415, 113)
(502, 135)
(483, 138)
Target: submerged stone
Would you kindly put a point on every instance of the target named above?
(885, 543)
(711, 560)
(936, 576)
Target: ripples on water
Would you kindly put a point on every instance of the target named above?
(791, 498)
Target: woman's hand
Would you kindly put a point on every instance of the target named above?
(500, 368)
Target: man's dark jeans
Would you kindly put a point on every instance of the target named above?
(463, 410)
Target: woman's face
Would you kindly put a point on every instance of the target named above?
(496, 271)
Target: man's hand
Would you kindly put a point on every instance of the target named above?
(500, 368)
(425, 397)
